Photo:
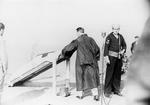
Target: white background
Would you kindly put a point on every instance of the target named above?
(46, 25)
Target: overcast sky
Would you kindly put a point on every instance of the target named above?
(46, 25)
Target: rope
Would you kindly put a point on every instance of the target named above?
(102, 96)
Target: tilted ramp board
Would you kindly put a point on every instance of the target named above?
(44, 66)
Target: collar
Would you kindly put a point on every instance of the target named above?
(116, 36)
(82, 35)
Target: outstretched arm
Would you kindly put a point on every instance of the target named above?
(67, 51)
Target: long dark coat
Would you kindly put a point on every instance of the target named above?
(88, 53)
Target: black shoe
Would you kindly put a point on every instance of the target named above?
(96, 98)
(118, 93)
(80, 97)
(107, 95)
(68, 94)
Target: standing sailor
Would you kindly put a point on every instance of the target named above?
(115, 47)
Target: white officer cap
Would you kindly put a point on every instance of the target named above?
(116, 26)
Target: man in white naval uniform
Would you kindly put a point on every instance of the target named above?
(3, 57)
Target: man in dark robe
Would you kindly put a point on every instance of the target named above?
(115, 46)
(87, 70)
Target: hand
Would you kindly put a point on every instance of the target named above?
(4, 73)
(44, 55)
(4, 70)
(107, 60)
(59, 56)
(59, 59)
(122, 52)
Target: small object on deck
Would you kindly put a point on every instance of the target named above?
(80, 97)
(96, 98)
(64, 92)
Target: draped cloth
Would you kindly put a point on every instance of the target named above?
(88, 53)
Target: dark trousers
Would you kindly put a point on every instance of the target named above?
(113, 75)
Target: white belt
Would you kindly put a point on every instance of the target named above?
(114, 54)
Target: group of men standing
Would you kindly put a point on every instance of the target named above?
(88, 55)
(115, 47)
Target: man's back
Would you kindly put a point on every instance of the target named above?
(87, 50)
